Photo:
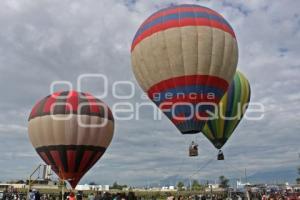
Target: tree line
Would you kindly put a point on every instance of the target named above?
(196, 186)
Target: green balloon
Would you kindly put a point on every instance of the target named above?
(231, 110)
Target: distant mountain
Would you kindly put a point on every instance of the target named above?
(275, 176)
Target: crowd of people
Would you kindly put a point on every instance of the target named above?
(36, 195)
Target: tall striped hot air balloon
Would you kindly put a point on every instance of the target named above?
(182, 56)
(70, 131)
(231, 110)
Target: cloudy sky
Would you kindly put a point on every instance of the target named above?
(59, 40)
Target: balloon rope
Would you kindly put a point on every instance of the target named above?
(202, 167)
(179, 169)
(235, 168)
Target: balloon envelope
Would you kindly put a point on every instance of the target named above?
(231, 110)
(185, 55)
(70, 131)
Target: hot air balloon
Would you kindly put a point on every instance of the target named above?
(231, 110)
(185, 57)
(70, 131)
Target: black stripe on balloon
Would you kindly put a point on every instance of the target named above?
(70, 147)
(62, 150)
(104, 108)
(52, 161)
(92, 104)
(69, 109)
(96, 158)
(33, 112)
(110, 115)
(60, 103)
(53, 166)
(89, 164)
(63, 157)
(40, 108)
(84, 105)
(79, 156)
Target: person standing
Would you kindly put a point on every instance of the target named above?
(31, 195)
(72, 196)
(180, 197)
(98, 196)
(91, 196)
(37, 195)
